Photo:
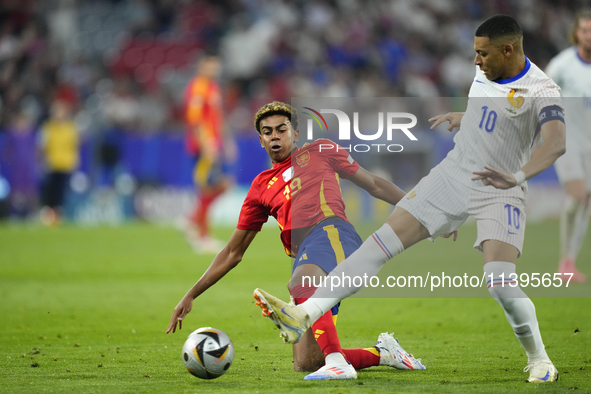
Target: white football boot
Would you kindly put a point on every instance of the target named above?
(333, 372)
(393, 355)
(291, 320)
(541, 372)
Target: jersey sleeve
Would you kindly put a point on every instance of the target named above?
(253, 213)
(548, 95)
(341, 161)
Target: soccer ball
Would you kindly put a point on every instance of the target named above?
(208, 353)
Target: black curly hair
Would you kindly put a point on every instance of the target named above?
(276, 108)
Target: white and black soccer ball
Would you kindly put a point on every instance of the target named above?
(208, 353)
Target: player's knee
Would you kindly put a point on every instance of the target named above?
(307, 276)
(578, 196)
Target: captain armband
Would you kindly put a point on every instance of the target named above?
(552, 112)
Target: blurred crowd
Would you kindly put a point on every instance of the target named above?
(109, 59)
(122, 65)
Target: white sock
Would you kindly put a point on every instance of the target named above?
(567, 224)
(579, 230)
(368, 260)
(574, 221)
(519, 310)
(335, 358)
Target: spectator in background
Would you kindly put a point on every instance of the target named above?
(20, 167)
(121, 107)
(571, 70)
(204, 144)
(59, 144)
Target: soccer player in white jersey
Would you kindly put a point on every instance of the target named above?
(512, 103)
(571, 70)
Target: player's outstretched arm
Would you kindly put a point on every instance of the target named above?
(226, 259)
(454, 119)
(554, 137)
(377, 187)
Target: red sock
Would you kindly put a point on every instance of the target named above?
(362, 358)
(200, 215)
(324, 329)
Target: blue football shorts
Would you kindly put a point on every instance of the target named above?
(327, 245)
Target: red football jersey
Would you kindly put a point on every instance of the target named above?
(203, 108)
(307, 183)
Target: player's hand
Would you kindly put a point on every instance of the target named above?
(454, 119)
(455, 234)
(497, 178)
(179, 313)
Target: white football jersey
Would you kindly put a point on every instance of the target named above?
(501, 124)
(573, 76)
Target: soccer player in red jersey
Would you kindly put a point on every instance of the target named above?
(203, 141)
(302, 192)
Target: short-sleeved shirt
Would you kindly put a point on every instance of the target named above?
(300, 191)
(501, 125)
(573, 75)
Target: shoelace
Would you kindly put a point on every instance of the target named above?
(531, 365)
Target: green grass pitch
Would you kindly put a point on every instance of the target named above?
(84, 310)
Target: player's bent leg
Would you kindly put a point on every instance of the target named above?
(393, 355)
(323, 329)
(407, 228)
(307, 356)
(367, 261)
(380, 247)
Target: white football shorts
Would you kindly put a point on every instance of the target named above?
(442, 204)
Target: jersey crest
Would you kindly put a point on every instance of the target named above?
(514, 102)
(303, 158)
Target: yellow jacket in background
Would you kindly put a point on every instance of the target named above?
(60, 145)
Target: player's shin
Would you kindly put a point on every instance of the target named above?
(366, 261)
(519, 309)
(567, 223)
(581, 224)
(324, 328)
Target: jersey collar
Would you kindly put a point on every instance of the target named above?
(580, 58)
(518, 76)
